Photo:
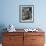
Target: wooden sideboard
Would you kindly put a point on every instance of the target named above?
(23, 39)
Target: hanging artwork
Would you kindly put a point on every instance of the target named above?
(26, 13)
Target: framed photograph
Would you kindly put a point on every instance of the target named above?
(26, 13)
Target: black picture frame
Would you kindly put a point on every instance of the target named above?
(26, 13)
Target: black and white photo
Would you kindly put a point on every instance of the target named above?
(26, 13)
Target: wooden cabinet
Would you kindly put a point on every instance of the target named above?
(23, 39)
(12, 39)
(34, 39)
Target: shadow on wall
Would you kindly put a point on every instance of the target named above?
(2, 26)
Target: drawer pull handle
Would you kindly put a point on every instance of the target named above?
(33, 39)
(10, 38)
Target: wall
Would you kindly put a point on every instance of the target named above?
(9, 13)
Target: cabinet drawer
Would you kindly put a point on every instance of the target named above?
(34, 33)
(12, 39)
(13, 33)
(37, 39)
(20, 44)
(37, 44)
